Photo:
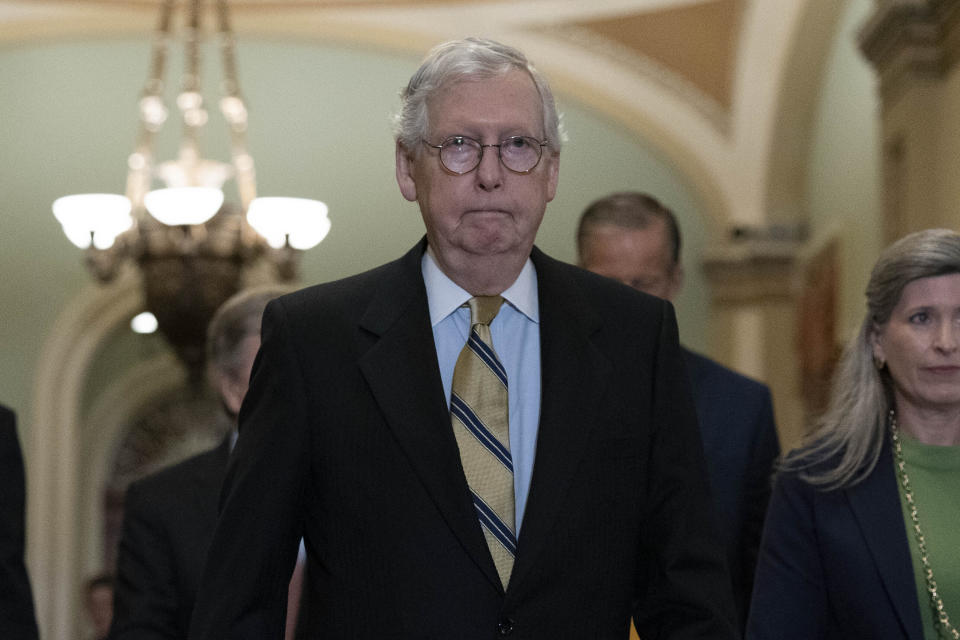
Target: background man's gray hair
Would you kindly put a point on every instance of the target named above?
(628, 210)
(236, 319)
(469, 58)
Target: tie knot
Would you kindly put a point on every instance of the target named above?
(483, 309)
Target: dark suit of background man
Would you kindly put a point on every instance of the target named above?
(17, 620)
(169, 516)
(633, 238)
(346, 435)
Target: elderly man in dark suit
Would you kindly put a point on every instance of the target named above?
(633, 238)
(17, 619)
(474, 440)
(170, 516)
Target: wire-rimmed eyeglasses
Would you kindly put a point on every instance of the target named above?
(460, 154)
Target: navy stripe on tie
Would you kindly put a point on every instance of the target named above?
(488, 356)
(462, 411)
(489, 519)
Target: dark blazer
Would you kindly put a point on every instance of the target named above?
(740, 444)
(345, 438)
(17, 619)
(169, 519)
(836, 564)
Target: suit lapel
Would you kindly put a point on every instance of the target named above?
(876, 505)
(569, 398)
(404, 377)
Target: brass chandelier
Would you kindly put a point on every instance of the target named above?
(192, 248)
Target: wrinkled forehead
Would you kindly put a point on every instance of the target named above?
(510, 88)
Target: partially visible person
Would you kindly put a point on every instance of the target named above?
(861, 536)
(17, 618)
(169, 516)
(632, 237)
(98, 603)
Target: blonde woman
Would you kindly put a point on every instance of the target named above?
(861, 535)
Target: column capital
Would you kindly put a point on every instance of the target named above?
(907, 39)
(747, 271)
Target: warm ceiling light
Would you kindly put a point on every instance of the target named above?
(144, 323)
(193, 250)
(177, 206)
(93, 218)
(296, 222)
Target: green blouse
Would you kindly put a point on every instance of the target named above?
(934, 473)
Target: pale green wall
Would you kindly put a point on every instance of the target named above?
(319, 128)
(843, 189)
(948, 157)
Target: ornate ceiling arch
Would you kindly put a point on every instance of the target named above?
(723, 87)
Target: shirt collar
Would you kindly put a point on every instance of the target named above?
(444, 296)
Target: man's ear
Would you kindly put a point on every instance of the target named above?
(553, 177)
(405, 167)
(231, 392)
(676, 281)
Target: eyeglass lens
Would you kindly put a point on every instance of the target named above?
(517, 153)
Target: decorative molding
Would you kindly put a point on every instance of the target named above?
(818, 350)
(647, 67)
(54, 476)
(909, 39)
(103, 430)
(751, 271)
(754, 283)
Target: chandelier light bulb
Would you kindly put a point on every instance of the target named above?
(189, 100)
(136, 161)
(96, 218)
(299, 222)
(152, 111)
(233, 110)
(144, 323)
(195, 117)
(177, 206)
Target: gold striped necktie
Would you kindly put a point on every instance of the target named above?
(480, 415)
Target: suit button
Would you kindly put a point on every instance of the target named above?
(505, 626)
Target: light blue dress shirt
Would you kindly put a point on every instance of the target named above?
(516, 339)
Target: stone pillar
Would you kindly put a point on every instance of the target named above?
(753, 327)
(914, 46)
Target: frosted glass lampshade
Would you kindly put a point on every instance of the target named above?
(301, 222)
(99, 217)
(183, 205)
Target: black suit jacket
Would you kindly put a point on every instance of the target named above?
(17, 619)
(169, 519)
(345, 438)
(740, 444)
(836, 564)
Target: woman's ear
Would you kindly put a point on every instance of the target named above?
(876, 343)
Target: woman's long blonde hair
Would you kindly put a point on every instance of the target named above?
(845, 445)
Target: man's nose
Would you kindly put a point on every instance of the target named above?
(490, 170)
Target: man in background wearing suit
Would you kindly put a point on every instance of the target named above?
(169, 516)
(17, 620)
(460, 466)
(633, 238)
